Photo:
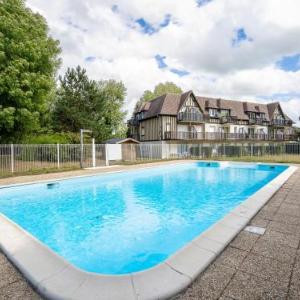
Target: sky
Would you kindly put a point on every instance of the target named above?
(242, 50)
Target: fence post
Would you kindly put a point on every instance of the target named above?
(93, 153)
(58, 162)
(106, 155)
(12, 158)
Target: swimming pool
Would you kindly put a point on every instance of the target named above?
(130, 221)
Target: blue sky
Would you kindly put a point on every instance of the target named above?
(148, 28)
(290, 63)
(243, 50)
(162, 65)
(240, 37)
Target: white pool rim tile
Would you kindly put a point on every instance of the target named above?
(56, 278)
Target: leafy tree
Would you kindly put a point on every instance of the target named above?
(28, 62)
(85, 103)
(160, 89)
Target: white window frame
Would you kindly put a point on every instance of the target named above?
(213, 112)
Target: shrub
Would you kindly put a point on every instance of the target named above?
(52, 138)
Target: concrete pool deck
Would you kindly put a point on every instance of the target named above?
(242, 262)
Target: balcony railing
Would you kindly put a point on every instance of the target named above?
(182, 135)
(133, 122)
(190, 117)
(228, 119)
(281, 122)
(258, 122)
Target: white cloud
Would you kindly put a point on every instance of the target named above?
(198, 39)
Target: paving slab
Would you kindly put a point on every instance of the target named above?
(8, 274)
(18, 290)
(281, 238)
(266, 268)
(244, 241)
(294, 288)
(275, 250)
(284, 228)
(231, 257)
(286, 219)
(245, 286)
(259, 221)
(210, 285)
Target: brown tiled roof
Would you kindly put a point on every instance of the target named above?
(271, 108)
(211, 103)
(170, 104)
(201, 102)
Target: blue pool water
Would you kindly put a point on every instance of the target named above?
(125, 222)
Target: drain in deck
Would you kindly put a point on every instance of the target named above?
(255, 229)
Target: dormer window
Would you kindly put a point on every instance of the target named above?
(252, 115)
(224, 113)
(261, 116)
(140, 116)
(213, 112)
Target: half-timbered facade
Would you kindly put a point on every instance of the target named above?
(173, 117)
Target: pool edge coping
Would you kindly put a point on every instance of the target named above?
(55, 278)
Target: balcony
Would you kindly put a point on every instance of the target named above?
(133, 122)
(258, 121)
(199, 118)
(228, 119)
(219, 136)
(281, 123)
(190, 117)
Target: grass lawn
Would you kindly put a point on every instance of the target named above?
(266, 158)
(295, 159)
(38, 171)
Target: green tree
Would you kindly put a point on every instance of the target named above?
(28, 63)
(159, 89)
(85, 103)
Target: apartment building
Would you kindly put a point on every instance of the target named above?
(187, 117)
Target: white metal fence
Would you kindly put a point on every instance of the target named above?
(140, 152)
(24, 158)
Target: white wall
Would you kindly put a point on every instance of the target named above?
(199, 128)
(212, 127)
(182, 128)
(231, 128)
(261, 129)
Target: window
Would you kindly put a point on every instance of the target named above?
(142, 131)
(168, 127)
(252, 115)
(213, 112)
(224, 112)
(241, 130)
